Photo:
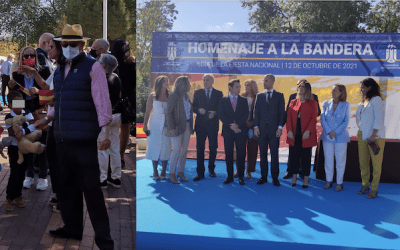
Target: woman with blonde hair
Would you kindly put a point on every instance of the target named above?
(158, 145)
(251, 90)
(179, 126)
(335, 117)
(301, 129)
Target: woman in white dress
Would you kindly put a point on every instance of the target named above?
(158, 145)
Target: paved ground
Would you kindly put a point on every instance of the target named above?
(27, 228)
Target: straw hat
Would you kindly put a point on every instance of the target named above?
(72, 33)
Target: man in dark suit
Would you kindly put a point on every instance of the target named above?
(269, 118)
(205, 105)
(293, 96)
(233, 111)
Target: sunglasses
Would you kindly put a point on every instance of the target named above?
(72, 45)
(30, 55)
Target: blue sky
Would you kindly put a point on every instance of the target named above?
(211, 16)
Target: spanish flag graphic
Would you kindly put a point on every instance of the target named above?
(45, 96)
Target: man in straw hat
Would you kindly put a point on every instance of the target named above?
(82, 110)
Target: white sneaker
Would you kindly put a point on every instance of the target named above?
(42, 184)
(28, 182)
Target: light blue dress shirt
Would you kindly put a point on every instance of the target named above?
(336, 121)
(6, 67)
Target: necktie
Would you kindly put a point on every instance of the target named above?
(234, 103)
(208, 94)
(269, 95)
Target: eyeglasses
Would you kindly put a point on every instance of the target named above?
(72, 45)
(30, 55)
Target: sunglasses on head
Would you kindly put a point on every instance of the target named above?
(30, 55)
(71, 44)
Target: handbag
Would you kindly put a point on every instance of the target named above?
(127, 112)
(374, 147)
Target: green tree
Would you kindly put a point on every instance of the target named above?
(30, 17)
(151, 16)
(307, 16)
(385, 17)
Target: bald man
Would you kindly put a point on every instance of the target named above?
(99, 46)
(43, 51)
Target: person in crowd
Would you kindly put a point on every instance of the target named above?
(5, 75)
(127, 74)
(179, 126)
(335, 117)
(85, 96)
(42, 52)
(293, 96)
(99, 46)
(301, 129)
(54, 53)
(24, 76)
(269, 118)
(17, 171)
(250, 94)
(233, 111)
(371, 134)
(205, 105)
(158, 145)
(109, 63)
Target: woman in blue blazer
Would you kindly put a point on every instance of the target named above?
(335, 117)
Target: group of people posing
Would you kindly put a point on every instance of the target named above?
(255, 120)
(81, 122)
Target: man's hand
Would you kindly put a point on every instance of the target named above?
(12, 83)
(211, 114)
(41, 124)
(104, 144)
(306, 135)
(234, 126)
(256, 132)
(26, 69)
(202, 111)
(332, 134)
(290, 135)
(19, 135)
(279, 132)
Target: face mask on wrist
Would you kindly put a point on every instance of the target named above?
(29, 62)
(70, 53)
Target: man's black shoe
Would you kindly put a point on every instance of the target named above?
(241, 181)
(262, 181)
(287, 176)
(276, 182)
(61, 233)
(198, 177)
(213, 174)
(228, 180)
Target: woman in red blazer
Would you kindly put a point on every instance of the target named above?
(301, 131)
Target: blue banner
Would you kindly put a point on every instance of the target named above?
(333, 54)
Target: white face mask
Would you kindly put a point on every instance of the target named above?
(70, 53)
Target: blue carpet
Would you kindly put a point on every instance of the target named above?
(210, 215)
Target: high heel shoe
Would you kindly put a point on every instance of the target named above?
(155, 177)
(363, 190)
(306, 180)
(328, 185)
(339, 187)
(162, 176)
(293, 184)
(182, 176)
(372, 194)
(173, 179)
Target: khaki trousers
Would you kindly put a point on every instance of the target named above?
(364, 154)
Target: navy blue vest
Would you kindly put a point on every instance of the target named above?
(75, 117)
